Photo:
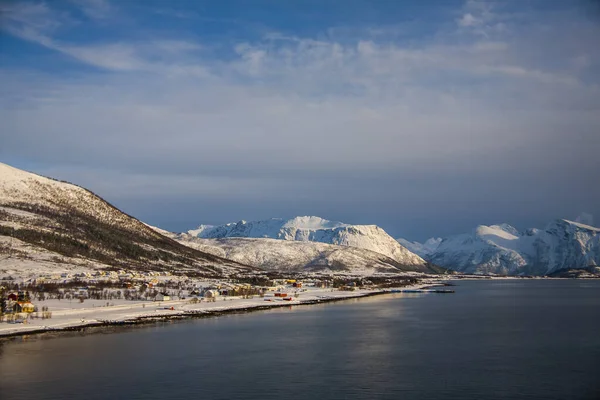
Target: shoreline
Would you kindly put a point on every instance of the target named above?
(135, 314)
(144, 318)
(183, 315)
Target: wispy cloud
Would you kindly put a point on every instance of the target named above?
(482, 18)
(31, 21)
(95, 9)
(468, 20)
(36, 22)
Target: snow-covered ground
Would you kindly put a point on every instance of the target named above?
(27, 261)
(69, 314)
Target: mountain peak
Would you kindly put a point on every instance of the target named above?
(312, 223)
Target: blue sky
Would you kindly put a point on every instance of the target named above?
(424, 117)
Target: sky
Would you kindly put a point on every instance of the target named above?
(426, 118)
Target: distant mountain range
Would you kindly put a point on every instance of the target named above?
(560, 248)
(302, 256)
(46, 223)
(306, 244)
(315, 229)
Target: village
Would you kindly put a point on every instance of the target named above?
(59, 301)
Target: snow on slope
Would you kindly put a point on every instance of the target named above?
(315, 229)
(502, 249)
(72, 224)
(18, 186)
(19, 259)
(420, 248)
(290, 255)
(566, 244)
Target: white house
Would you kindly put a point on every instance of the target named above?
(162, 297)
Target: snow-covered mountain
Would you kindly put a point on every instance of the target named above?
(421, 248)
(502, 249)
(315, 229)
(305, 256)
(47, 222)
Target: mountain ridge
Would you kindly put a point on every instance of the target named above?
(72, 223)
(502, 249)
(314, 229)
(302, 256)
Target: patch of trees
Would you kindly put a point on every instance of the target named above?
(5, 216)
(56, 242)
(255, 280)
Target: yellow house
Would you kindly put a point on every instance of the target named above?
(24, 307)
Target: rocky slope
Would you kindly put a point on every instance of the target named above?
(63, 223)
(501, 249)
(315, 229)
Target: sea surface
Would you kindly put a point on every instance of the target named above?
(511, 339)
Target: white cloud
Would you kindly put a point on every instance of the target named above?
(481, 18)
(468, 20)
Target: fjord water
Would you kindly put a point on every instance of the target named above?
(529, 339)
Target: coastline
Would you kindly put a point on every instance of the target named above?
(77, 320)
(146, 313)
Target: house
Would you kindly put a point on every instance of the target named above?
(25, 307)
(211, 294)
(163, 297)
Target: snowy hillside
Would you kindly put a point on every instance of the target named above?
(289, 255)
(64, 223)
(421, 248)
(315, 229)
(502, 249)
